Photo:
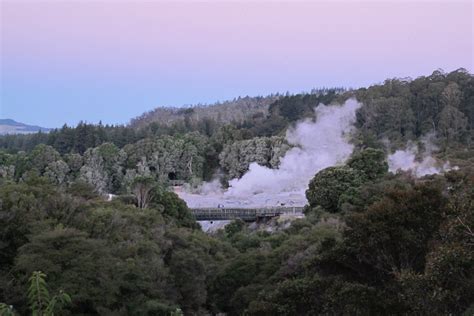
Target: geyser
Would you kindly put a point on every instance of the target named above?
(318, 144)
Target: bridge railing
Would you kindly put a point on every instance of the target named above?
(223, 214)
(248, 214)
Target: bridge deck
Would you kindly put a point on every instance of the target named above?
(246, 214)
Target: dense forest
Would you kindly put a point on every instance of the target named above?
(372, 241)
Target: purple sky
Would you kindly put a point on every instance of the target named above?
(62, 62)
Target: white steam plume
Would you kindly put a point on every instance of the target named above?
(418, 164)
(318, 145)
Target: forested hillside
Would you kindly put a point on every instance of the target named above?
(196, 142)
(237, 110)
(373, 242)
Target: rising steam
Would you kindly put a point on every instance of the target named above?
(317, 145)
(419, 163)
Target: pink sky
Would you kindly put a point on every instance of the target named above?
(216, 50)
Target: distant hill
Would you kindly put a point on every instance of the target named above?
(9, 126)
(237, 110)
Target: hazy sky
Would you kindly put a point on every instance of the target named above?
(65, 61)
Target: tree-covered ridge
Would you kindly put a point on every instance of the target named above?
(189, 157)
(237, 110)
(109, 157)
(397, 110)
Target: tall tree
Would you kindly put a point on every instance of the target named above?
(142, 189)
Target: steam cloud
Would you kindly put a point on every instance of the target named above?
(317, 145)
(419, 164)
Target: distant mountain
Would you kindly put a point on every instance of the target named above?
(9, 126)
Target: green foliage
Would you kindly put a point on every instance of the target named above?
(82, 266)
(177, 312)
(402, 110)
(174, 207)
(142, 188)
(236, 157)
(402, 247)
(168, 158)
(110, 257)
(393, 233)
(296, 107)
(327, 186)
(39, 299)
(452, 124)
(29, 208)
(371, 162)
(82, 189)
(38, 294)
(317, 296)
(234, 227)
(334, 187)
(43, 155)
(6, 310)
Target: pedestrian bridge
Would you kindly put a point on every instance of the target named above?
(245, 214)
